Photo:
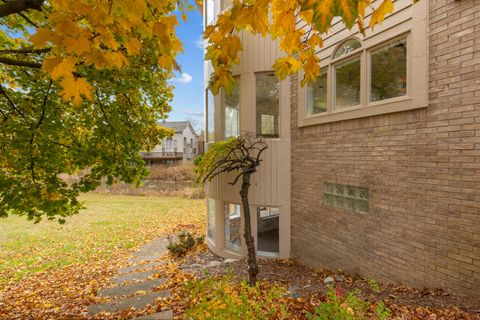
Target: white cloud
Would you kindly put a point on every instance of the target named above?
(184, 78)
(194, 113)
(199, 42)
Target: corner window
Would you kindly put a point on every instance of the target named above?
(232, 226)
(210, 109)
(267, 105)
(211, 219)
(268, 230)
(388, 71)
(232, 111)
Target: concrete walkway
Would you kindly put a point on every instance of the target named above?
(137, 278)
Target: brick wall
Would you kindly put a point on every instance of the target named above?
(422, 168)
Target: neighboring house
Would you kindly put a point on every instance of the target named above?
(375, 168)
(201, 142)
(183, 146)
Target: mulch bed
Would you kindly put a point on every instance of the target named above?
(307, 283)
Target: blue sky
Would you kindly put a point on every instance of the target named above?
(188, 95)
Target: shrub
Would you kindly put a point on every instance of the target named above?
(214, 298)
(197, 159)
(347, 306)
(186, 241)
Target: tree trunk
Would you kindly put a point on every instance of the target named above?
(251, 256)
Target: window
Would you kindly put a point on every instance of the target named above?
(366, 78)
(267, 103)
(346, 47)
(317, 95)
(210, 116)
(211, 219)
(232, 111)
(268, 230)
(226, 4)
(388, 71)
(210, 12)
(346, 197)
(232, 226)
(347, 83)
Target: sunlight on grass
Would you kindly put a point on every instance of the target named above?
(109, 224)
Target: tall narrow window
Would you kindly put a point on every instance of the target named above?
(232, 226)
(210, 116)
(268, 228)
(347, 83)
(388, 71)
(267, 101)
(317, 95)
(346, 76)
(211, 219)
(232, 111)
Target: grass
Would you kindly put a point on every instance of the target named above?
(110, 224)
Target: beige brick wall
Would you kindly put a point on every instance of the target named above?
(422, 168)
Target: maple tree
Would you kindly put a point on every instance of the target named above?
(298, 25)
(83, 85)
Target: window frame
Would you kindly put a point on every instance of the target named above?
(211, 202)
(209, 115)
(225, 247)
(279, 134)
(337, 62)
(261, 253)
(414, 28)
(224, 119)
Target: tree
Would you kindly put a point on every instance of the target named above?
(83, 85)
(299, 26)
(242, 156)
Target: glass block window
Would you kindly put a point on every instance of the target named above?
(346, 197)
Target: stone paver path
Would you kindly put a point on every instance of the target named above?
(134, 285)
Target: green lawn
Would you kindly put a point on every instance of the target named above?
(110, 224)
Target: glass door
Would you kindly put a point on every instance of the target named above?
(268, 235)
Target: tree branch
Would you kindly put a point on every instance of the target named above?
(24, 51)
(13, 62)
(18, 6)
(12, 104)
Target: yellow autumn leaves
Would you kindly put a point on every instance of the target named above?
(104, 35)
(299, 26)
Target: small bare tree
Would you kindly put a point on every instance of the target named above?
(240, 155)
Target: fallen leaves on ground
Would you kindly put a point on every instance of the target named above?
(52, 271)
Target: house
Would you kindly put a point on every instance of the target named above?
(375, 168)
(182, 147)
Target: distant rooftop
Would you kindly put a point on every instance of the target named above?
(178, 126)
